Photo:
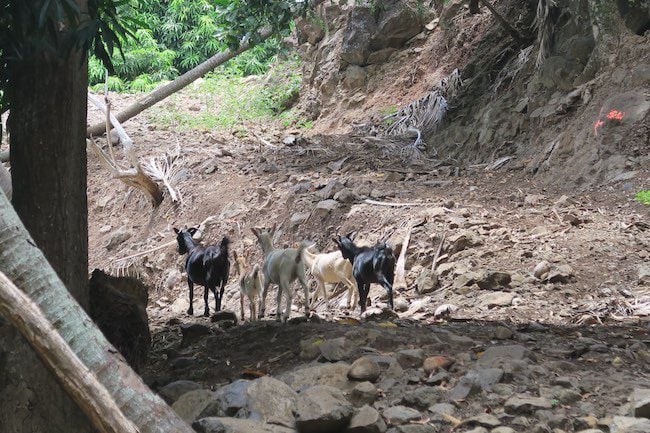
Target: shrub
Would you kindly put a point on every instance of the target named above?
(643, 197)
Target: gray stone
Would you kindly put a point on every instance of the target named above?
(173, 391)
(414, 428)
(568, 396)
(565, 382)
(491, 280)
(364, 393)
(271, 401)
(462, 241)
(411, 358)
(477, 430)
(332, 187)
(322, 409)
(523, 404)
(496, 299)
(541, 270)
(504, 429)
(438, 378)
(224, 315)
(326, 206)
(560, 274)
(644, 274)
(356, 38)
(640, 402)
(397, 415)
(228, 400)
(381, 56)
(426, 282)
(310, 347)
(495, 354)
(364, 369)
(422, 397)
(396, 25)
(367, 420)
(192, 403)
(335, 349)
(355, 77)
(345, 196)
(120, 236)
(236, 425)
(484, 420)
(322, 374)
(626, 424)
(503, 333)
(443, 409)
(299, 218)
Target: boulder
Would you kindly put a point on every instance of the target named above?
(356, 37)
(525, 405)
(364, 393)
(396, 415)
(335, 349)
(321, 374)
(322, 409)
(271, 401)
(426, 282)
(627, 424)
(174, 390)
(236, 425)
(364, 369)
(411, 358)
(640, 402)
(190, 405)
(367, 420)
(355, 77)
(397, 23)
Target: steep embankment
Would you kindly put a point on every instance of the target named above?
(580, 116)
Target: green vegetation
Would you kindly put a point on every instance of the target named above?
(229, 98)
(643, 197)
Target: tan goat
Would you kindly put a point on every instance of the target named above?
(250, 285)
(330, 268)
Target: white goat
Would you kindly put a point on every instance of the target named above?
(250, 285)
(330, 268)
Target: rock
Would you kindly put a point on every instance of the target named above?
(192, 403)
(534, 199)
(496, 299)
(322, 374)
(561, 274)
(640, 403)
(484, 420)
(644, 274)
(332, 187)
(414, 428)
(364, 393)
(493, 355)
(356, 37)
(355, 77)
(346, 196)
(445, 310)
(299, 218)
(397, 415)
(364, 369)
(396, 25)
(174, 390)
(542, 269)
(412, 358)
(326, 206)
(322, 409)
(236, 425)
(335, 349)
(525, 405)
(438, 378)
(422, 397)
(477, 430)
(565, 382)
(118, 237)
(367, 420)
(475, 381)
(504, 429)
(118, 306)
(381, 56)
(492, 280)
(568, 396)
(443, 409)
(626, 424)
(503, 333)
(433, 363)
(463, 241)
(290, 140)
(426, 282)
(192, 332)
(224, 315)
(228, 400)
(271, 401)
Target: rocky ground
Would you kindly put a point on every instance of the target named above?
(534, 320)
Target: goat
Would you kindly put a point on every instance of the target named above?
(282, 266)
(369, 265)
(330, 268)
(206, 266)
(250, 285)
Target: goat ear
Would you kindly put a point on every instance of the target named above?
(336, 241)
(350, 236)
(192, 230)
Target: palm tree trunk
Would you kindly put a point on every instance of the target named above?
(24, 264)
(176, 85)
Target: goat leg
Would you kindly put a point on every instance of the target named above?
(389, 289)
(190, 310)
(265, 291)
(279, 305)
(303, 283)
(241, 304)
(206, 312)
(223, 287)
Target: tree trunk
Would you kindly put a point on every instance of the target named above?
(25, 265)
(176, 85)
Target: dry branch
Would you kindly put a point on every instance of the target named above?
(400, 273)
(133, 176)
(438, 251)
(394, 204)
(77, 380)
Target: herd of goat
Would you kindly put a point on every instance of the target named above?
(354, 266)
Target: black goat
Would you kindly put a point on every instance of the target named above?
(206, 266)
(369, 265)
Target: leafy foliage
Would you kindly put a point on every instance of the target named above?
(643, 197)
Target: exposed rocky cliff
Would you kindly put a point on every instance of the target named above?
(582, 104)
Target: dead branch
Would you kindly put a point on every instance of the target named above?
(400, 273)
(166, 169)
(506, 25)
(133, 176)
(77, 380)
(435, 258)
(394, 204)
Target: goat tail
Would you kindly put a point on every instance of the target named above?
(224, 243)
(301, 250)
